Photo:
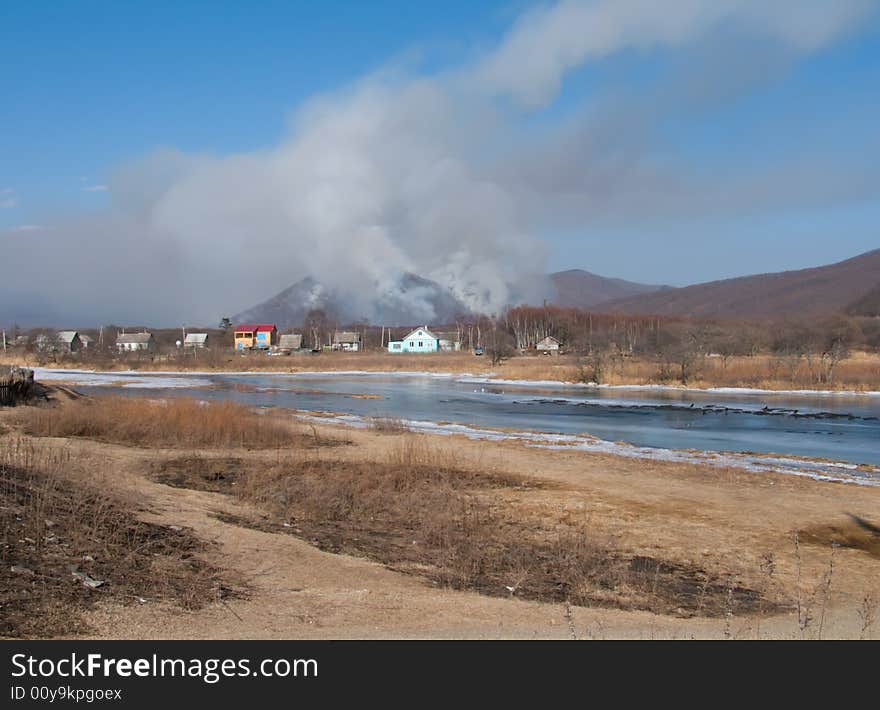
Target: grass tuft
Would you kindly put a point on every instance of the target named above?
(177, 422)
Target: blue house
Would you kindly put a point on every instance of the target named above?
(421, 340)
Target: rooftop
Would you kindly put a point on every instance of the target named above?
(255, 328)
(134, 337)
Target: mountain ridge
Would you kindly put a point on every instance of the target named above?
(813, 291)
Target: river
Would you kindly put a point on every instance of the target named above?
(836, 427)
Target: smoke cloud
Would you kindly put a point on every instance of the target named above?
(399, 173)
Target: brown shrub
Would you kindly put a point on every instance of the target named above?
(173, 423)
(389, 425)
(59, 533)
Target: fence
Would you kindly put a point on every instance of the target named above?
(16, 384)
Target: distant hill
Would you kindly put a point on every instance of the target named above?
(867, 305)
(834, 288)
(581, 289)
(404, 305)
(575, 288)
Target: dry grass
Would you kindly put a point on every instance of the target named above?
(178, 422)
(460, 528)
(66, 544)
(860, 371)
(389, 425)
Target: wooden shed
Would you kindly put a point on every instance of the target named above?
(290, 342)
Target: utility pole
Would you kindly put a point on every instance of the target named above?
(4, 341)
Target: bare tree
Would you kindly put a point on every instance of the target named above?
(501, 344)
(316, 325)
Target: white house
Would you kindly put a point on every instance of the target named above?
(421, 340)
(348, 340)
(549, 345)
(127, 342)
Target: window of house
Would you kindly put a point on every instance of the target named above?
(420, 343)
(411, 343)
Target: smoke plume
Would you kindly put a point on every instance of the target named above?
(439, 175)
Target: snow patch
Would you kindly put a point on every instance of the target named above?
(828, 471)
(128, 379)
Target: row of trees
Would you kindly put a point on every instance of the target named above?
(680, 345)
(678, 342)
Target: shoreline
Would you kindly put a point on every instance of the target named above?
(466, 378)
(828, 470)
(751, 462)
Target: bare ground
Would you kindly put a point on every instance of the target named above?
(730, 524)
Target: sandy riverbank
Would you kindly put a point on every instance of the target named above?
(733, 529)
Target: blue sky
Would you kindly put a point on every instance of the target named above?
(89, 85)
(730, 148)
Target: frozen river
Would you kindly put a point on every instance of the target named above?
(843, 428)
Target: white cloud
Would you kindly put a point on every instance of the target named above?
(547, 43)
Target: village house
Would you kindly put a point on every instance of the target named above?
(347, 340)
(64, 341)
(449, 342)
(548, 346)
(290, 342)
(195, 341)
(250, 336)
(68, 341)
(86, 340)
(421, 340)
(130, 342)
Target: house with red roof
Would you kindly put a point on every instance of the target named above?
(259, 336)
